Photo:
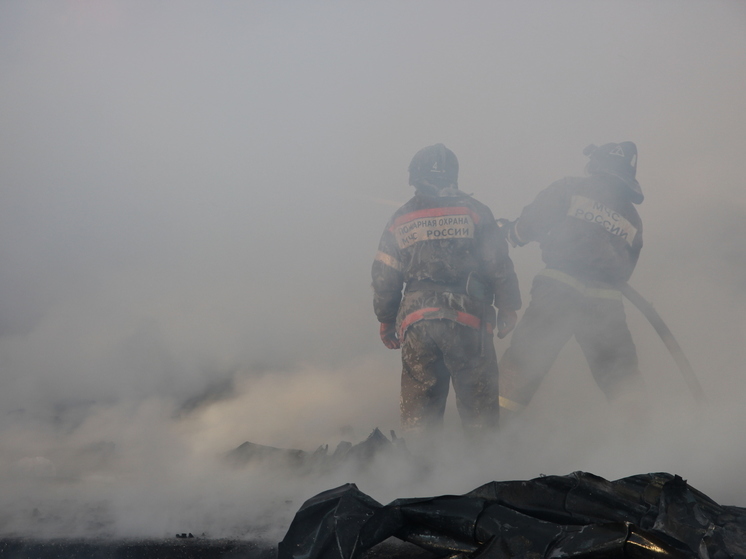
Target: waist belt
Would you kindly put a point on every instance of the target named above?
(436, 313)
(437, 287)
(567, 279)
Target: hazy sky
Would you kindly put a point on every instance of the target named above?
(191, 195)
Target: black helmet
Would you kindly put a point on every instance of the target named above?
(435, 164)
(619, 160)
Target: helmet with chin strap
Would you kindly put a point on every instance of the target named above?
(434, 165)
(619, 160)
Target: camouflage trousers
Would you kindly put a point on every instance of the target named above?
(561, 308)
(436, 353)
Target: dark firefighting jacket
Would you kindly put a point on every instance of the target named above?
(435, 247)
(587, 227)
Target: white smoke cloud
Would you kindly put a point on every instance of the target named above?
(191, 196)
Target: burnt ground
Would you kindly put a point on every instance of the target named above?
(176, 548)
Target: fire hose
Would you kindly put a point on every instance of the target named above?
(668, 340)
(656, 322)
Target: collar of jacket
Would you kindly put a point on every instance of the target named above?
(431, 192)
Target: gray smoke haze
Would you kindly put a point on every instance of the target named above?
(191, 195)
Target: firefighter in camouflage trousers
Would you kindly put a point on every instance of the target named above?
(441, 265)
(590, 236)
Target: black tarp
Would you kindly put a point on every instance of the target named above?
(580, 515)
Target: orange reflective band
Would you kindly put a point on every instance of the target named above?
(437, 313)
(416, 316)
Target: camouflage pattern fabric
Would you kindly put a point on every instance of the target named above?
(436, 352)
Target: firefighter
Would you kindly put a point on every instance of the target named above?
(442, 263)
(590, 236)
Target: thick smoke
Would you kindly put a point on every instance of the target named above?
(192, 194)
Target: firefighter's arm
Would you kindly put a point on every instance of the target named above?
(539, 217)
(507, 228)
(388, 281)
(386, 302)
(503, 280)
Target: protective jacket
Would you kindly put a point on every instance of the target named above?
(590, 236)
(438, 245)
(587, 227)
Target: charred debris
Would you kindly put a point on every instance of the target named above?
(580, 516)
(321, 460)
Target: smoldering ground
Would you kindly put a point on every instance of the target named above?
(192, 195)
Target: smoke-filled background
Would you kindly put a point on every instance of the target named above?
(191, 195)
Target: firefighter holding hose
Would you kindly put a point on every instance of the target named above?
(590, 235)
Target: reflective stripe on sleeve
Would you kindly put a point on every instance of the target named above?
(389, 261)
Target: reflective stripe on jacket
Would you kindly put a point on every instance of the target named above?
(582, 288)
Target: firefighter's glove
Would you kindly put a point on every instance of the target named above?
(507, 228)
(503, 223)
(388, 335)
(506, 321)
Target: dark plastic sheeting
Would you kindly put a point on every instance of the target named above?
(580, 515)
